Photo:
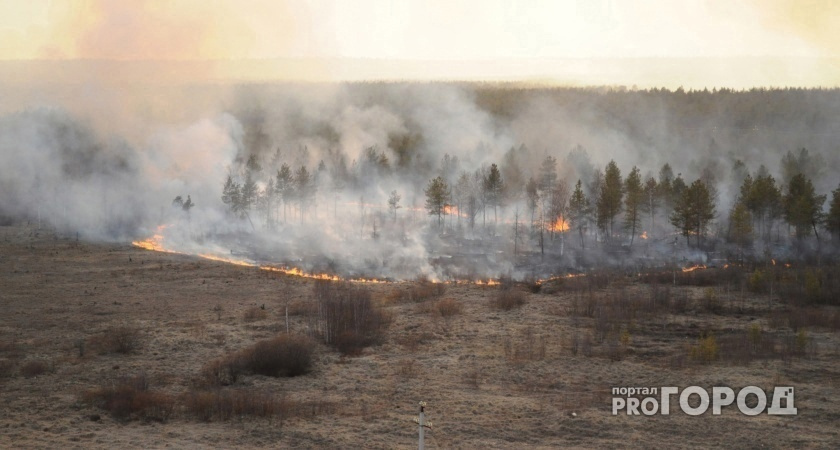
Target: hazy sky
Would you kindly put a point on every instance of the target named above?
(505, 31)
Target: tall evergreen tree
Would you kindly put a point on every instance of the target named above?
(633, 202)
(579, 211)
(609, 202)
(494, 186)
(803, 207)
(833, 220)
(437, 197)
(694, 211)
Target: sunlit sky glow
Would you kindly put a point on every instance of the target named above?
(494, 39)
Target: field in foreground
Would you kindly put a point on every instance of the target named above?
(77, 318)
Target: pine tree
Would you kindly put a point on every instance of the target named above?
(394, 203)
(651, 200)
(694, 211)
(833, 220)
(609, 202)
(305, 189)
(579, 211)
(493, 186)
(633, 202)
(740, 226)
(284, 186)
(437, 197)
(802, 206)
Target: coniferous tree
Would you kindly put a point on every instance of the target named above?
(833, 219)
(533, 197)
(802, 206)
(494, 185)
(284, 187)
(633, 202)
(394, 203)
(609, 202)
(651, 200)
(437, 197)
(740, 226)
(305, 189)
(694, 211)
(579, 211)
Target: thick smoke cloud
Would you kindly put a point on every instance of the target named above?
(65, 166)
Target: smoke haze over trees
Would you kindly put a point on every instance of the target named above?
(489, 180)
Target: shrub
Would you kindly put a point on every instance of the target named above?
(228, 404)
(508, 299)
(34, 368)
(423, 289)
(347, 318)
(254, 314)
(706, 350)
(130, 397)
(447, 307)
(122, 339)
(283, 356)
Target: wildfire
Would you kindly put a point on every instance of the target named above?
(643, 235)
(693, 268)
(238, 262)
(558, 225)
(154, 243)
(773, 261)
(452, 210)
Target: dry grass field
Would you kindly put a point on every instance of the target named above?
(109, 346)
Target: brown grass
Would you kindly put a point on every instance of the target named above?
(508, 299)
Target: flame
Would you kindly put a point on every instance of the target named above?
(453, 211)
(643, 235)
(154, 243)
(693, 268)
(787, 265)
(726, 266)
(238, 262)
(773, 261)
(558, 225)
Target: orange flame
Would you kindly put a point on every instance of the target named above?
(154, 243)
(773, 261)
(558, 225)
(644, 235)
(693, 268)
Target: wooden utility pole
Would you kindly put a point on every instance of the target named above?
(422, 425)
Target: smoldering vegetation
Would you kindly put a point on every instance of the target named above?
(445, 181)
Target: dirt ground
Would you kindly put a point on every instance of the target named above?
(491, 378)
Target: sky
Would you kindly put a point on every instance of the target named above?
(492, 39)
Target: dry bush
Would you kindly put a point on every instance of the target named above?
(711, 276)
(528, 347)
(254, 314)
(797, 318)
(283, 356)
(130, 397)
(7, 368)
(226, 404)
(508, 299)
(413, 341)
(407, 368)
(34, 368)
(347, 318)
(447, 307)
(422, 290)
(705, 350)
(121, 339)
